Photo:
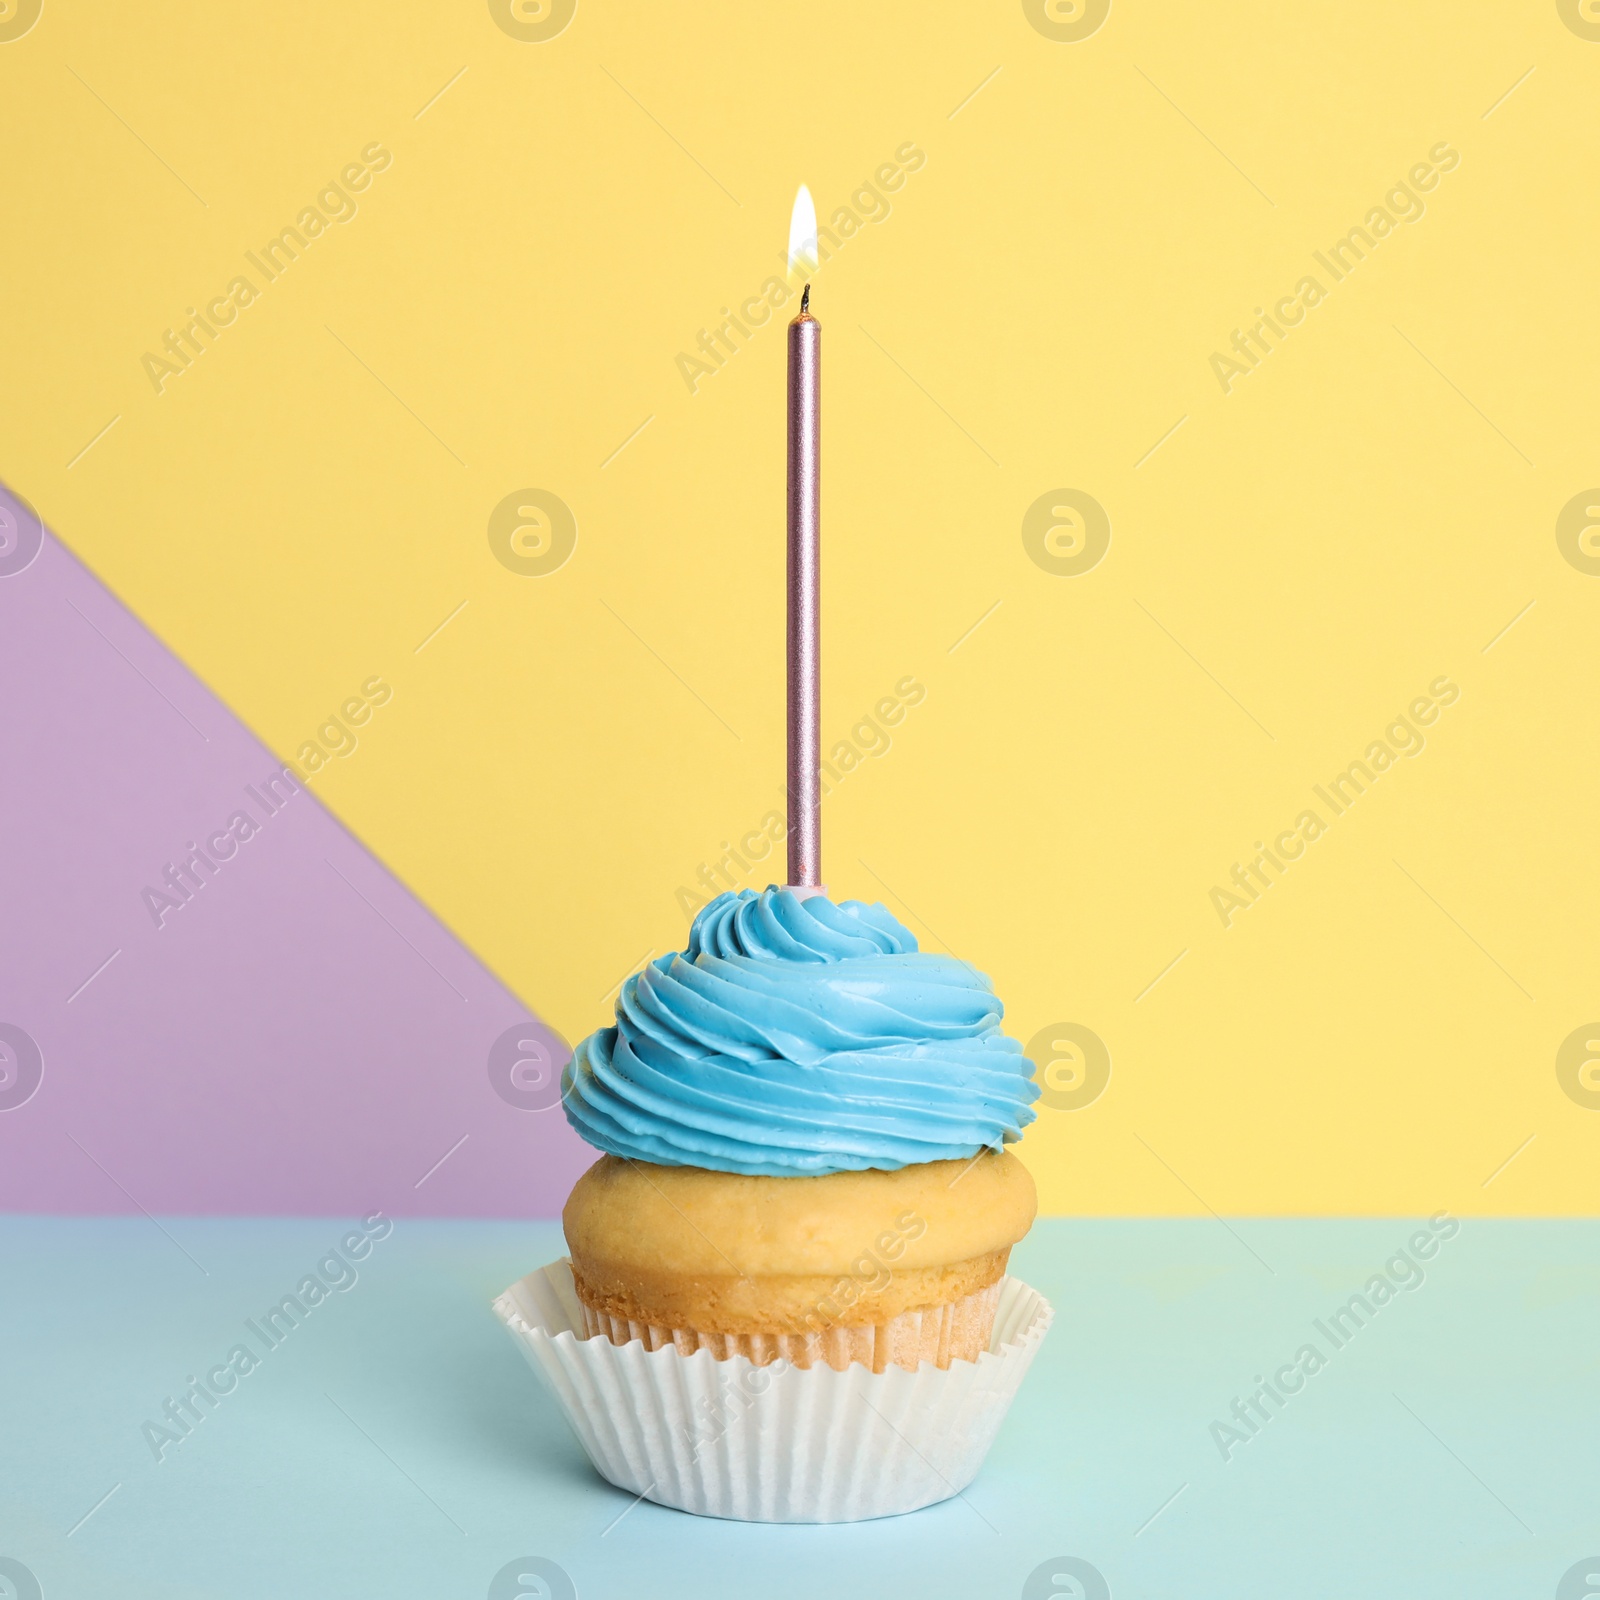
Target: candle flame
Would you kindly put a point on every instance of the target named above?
(803, 233)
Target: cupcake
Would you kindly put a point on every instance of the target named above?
(803, 1120)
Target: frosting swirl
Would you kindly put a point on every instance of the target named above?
(797, 1037)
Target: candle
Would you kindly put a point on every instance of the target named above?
(804, 568)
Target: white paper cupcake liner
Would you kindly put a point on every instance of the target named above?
(728, 1438)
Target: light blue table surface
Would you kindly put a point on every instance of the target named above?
(396, 1444)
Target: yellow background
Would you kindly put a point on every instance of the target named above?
(1367, 510)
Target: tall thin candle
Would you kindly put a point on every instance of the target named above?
(805, 598)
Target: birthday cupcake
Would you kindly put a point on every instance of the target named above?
(803, 1120)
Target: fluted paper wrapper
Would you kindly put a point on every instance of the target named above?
(776, 1443)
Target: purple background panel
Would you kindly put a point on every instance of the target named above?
(302, 1037)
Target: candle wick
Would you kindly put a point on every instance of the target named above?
(805, 299)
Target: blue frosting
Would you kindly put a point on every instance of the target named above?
(795, 1037)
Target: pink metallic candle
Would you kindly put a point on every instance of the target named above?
(805, 593)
